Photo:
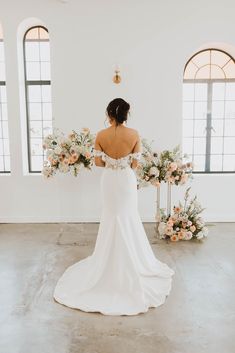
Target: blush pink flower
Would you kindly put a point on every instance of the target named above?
(173, 166)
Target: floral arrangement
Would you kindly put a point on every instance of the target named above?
(68, 153)
(165, 166)
(185, 223)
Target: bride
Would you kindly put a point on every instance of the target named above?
(122, 276)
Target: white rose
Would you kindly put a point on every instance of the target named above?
(154, 171)
(58, 150)
(200, 235)
(161, 228)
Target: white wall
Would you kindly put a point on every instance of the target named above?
(151, 41)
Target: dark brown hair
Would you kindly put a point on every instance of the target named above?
(118, 109)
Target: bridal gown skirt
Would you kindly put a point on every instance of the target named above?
(122, 276)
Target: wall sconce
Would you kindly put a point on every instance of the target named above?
(117, 78)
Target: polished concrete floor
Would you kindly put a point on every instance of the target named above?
(197, 317)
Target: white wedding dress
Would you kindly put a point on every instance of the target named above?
(122, 276)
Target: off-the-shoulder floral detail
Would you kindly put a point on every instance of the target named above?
(119, 163)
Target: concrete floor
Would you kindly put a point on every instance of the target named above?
(198, 316)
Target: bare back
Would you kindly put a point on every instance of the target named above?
(118, 141)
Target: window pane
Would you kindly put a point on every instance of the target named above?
(1, 51)
(230, 109)
(32, 51)
(46, 93)
(36, 146)
(216, 163)
(218, 91)
(47, 127)
(217, 127)
(36, 129)
(229, 145)
(219, 58)
(216, 145)
(4, 111)
(2, 166)
(7, 163)
(229, 69)
(45, 51)
(47, 113)
(35, 111)
(6, 147)
(188, 110)
(201, 92)
(190, 71)
(217, 110)
(200, 110)
(230, 90)
(2, 72)
(217, 72)
(202, 58)
(203, 73)
(32, 34)
(3, 94)
(199, 163)
(36, 163)
(229, 128)
(33, 71)
(200, 128)
(199, 145)
(188, 91)
(188, 145)
(34, 94)
(229, 163)
(43, 34)
(45, 71)
(187, 128)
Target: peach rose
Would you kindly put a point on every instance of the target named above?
(174, 237)
(86, 130)
(72, 136)
(181, 235)
(170, 223)
(192, 228)
(177, 209)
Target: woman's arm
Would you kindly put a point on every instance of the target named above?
(98, 160)
(136, 149)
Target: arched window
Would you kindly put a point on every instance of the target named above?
(38, 93)
(209, 111)
(4, 138)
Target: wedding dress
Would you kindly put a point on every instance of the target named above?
(122, 276)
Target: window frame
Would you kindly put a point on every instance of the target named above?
(3, 83)
(26, 84)
(208, 120)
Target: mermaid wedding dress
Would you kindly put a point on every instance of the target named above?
(122, 276)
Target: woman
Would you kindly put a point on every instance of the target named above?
(122, 276)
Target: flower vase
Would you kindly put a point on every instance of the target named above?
(169, 185)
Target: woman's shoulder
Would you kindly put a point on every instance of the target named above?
(128, 130)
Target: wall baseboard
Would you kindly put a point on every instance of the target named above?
(209, 219)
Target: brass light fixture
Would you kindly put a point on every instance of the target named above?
(117, 78)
